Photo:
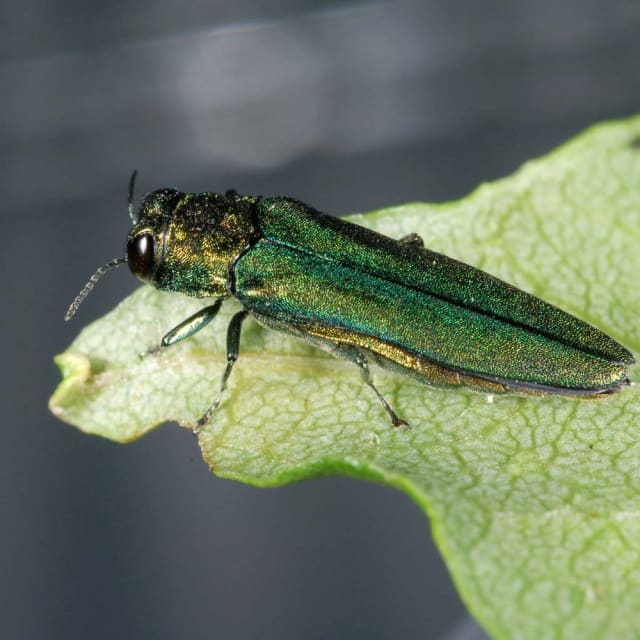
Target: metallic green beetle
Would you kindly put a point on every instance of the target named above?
(360, 295)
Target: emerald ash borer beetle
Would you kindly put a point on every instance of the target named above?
(361, 296)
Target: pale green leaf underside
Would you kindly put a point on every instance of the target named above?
(535, 503)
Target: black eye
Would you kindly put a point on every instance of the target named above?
(140, 256)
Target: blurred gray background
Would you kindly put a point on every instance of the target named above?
(348, 106)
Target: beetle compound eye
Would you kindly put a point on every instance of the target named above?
(140, 255)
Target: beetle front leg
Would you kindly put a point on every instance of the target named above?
(233, 346)
(188, 327)
(191, 325)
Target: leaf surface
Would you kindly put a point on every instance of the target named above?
(534, 502)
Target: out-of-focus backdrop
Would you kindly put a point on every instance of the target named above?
(348, 106)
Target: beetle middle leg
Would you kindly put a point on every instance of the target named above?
(233, 345)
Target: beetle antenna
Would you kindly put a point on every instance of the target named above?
(132, 185)
(93, 280)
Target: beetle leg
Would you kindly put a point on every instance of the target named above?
(338, 349)
(191, 325)
(188, 327)
(413, 239)
(233, 345)
(356, 356)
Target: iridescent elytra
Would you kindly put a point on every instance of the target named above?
(360, 295)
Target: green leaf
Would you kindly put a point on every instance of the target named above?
(534, 502)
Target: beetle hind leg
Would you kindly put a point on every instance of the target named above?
(353, 354)
(341, 350)
(412, 239)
